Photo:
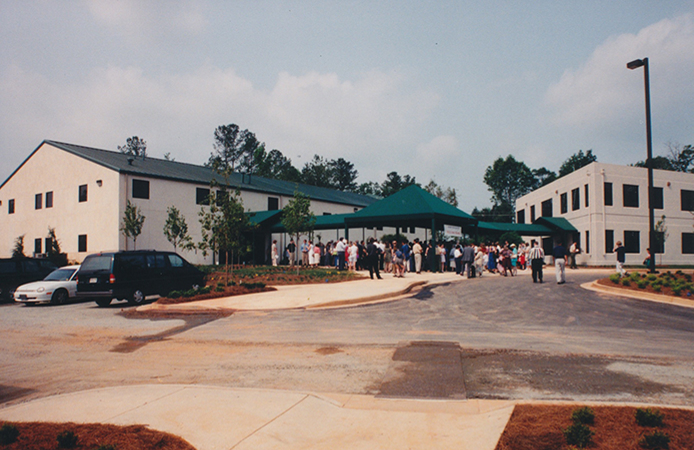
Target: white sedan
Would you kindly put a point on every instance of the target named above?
(58, 287)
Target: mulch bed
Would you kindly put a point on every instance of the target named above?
(43, 436)
(229, 291)
(539, 427)
(665, 290)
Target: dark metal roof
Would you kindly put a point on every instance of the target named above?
(191, 173)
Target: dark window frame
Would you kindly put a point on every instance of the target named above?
(532, 213)
(630, 196)
(632, 241)
(586, 196)
(609, 241)
(686, 200)
(547, 208)
(83, 194)
(564, 203)
(608, 194)
(273, 203)
(140, 189)
(575, 199)
(202, 196)
(587, 244)
(82, 243)
(10, 206)
(49, 199)
(38, 202)
(688, 243)
(38, 243)
(658, 202)
(520, 216)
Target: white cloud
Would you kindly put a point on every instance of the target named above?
(604, 97)
(301, 115)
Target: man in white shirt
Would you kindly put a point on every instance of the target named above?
(341, 247)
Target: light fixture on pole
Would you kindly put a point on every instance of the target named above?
(635, 64)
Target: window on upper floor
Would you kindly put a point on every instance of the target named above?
(10, 206)
(687, 200)
(48, 242)
(563, 203)
(657, 198)
(532, 213)
(38, 202)
(608, 194)
(83, 193)
(37, 245)
(273, 203)
(575, 199)
(630, 197)
(49, 199)
(202, 196)
(547, 208)
(141, 189)
(520, 216)
(585, 196)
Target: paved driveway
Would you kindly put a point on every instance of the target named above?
(515, 339)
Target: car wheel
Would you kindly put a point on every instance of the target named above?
(59, 297)
(137, 297)
(103, 302)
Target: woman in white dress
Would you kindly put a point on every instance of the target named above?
(274, 255)
(353, 253)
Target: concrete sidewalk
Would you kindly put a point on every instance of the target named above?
(212, 418)
(318, 295)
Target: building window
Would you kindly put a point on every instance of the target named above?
(273, 203)
(532, 214)
(202, 196)
(609, 241)
(49, 199)
(412, 230)
(688, 243)
(83, 193)
(547, 208)
(37, 246)
(657, 198)
(630, 195)
(38, 202)
(10, 206)
(585, 196)
(327, 214)
(687, 200)
(608, 194)
(564, 203)
(141, 189)
(632, 241)
(49, 243)
(587, 241)
(575, 199)
(82, 243)
(520, 216)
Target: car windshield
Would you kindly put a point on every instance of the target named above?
(60, 275)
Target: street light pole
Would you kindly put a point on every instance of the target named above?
(649, 160)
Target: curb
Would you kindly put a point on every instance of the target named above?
(645, 296)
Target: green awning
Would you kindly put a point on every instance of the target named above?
(556, 224)
(264, 218)
(523, 229)
(412, 206)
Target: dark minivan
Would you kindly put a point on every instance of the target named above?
(133, 275)
(17, 271)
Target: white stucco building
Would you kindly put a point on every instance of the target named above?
(82, 193)
(607, 203)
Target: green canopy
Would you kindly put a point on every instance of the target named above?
(523, 229)
(556, 224)
(410, 207)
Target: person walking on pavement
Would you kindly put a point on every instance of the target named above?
(573, 251)
(537, 259)
(291, 249)
(373, 253)
(417, 250)
(559, 254)
(274, 254)
(621, 252)
(467, 259)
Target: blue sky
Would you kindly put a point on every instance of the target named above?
(436, 90)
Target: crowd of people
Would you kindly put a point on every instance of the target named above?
(398, 258)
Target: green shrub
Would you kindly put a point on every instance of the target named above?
(647, 417)
(677, 290)
(657, 287)
(219, 289)
(652, 277)
(8, 434)
(655, 440)
(626, 282)
(231, 283)
(258, 285)
(583, 415)
(667, 282)
(67, 439)
(579, 435)
(205, 290)
(220, 284)
(687, 277)
(642, 284)
(635, 276)
(614, 278)
(106, 447)
(174, 294)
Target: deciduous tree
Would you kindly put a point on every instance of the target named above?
(297, 217)
(233, 148)
(133, 220)
(576, 161)
(176, 229)
(134, 146)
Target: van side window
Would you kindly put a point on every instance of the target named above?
(8, 266)
(176, 261)
(156, 261)
(131, 263)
